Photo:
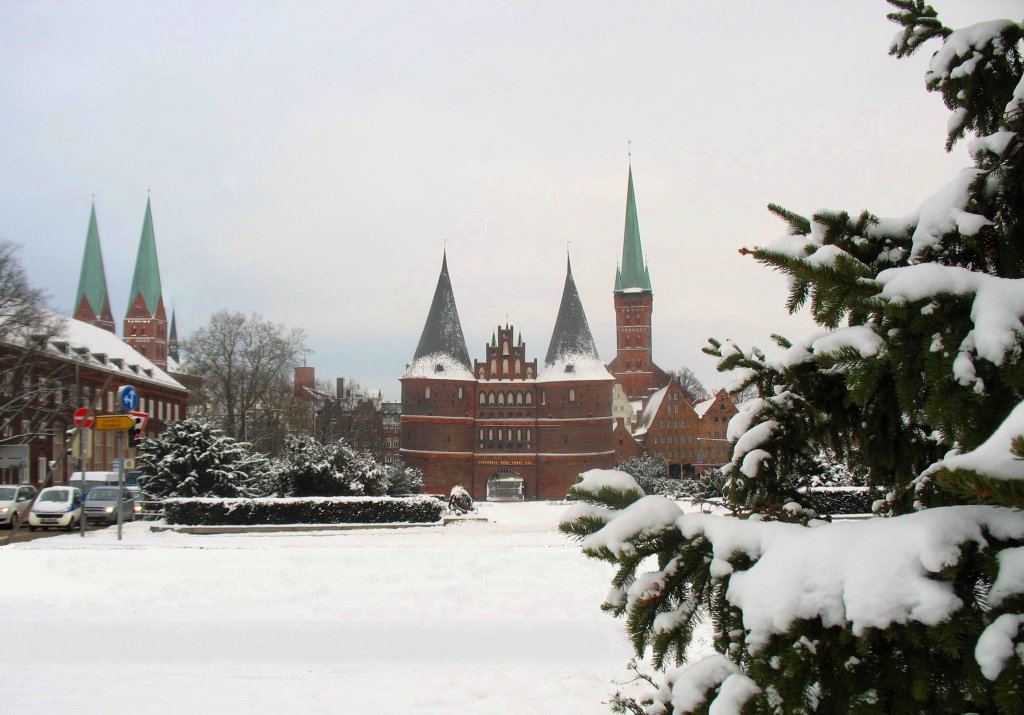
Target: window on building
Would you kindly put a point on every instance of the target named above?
(504, 348)
(519, 367)
(543, 397)
(482, 373)
(529, 398)
(529, 372)
(461, 392)
(426, 393)
(572, 394)
(494, 368)
(501, 398)
(504, 367)
(490, 398)
(483, 399)
(519, 398)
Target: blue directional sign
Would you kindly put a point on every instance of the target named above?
(127, 398)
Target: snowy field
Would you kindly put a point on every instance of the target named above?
(498, 617)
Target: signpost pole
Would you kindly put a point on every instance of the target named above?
(122, 439)
(81, 466)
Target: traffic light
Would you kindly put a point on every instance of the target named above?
(136, 430)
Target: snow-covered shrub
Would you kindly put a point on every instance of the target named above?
(403, 479)
(192, 459)
(308, 468)
(914, 379)
(311, 510)
(649, 472)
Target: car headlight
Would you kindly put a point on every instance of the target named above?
(137, 508)
(4, 509)
(109, 510)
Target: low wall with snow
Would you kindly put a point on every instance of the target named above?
(308, 510)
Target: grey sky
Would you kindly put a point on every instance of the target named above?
(306, 160)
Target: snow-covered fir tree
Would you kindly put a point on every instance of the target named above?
(914, 379)
(404, 480)
(192, 459)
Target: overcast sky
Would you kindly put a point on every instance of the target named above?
(308, 160)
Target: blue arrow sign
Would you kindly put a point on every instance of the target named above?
(127, 398)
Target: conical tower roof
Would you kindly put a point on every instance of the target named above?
(146, 279)
(572, 353)
(632, 274)
(92, 281)
(442, 343)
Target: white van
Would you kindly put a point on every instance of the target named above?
(56, 507)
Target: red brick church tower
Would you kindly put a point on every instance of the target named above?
(633, 365)
(501, 427)
(145, 323)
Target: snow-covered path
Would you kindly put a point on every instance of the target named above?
(470, 618)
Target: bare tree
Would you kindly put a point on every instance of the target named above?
(690, 384)
(35, 390)
(246, 364)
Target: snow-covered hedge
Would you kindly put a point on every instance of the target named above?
(308, 510)
(841, 500)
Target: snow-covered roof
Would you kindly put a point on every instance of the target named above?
(442, 332)
(653, 405)
(572, 354)
(703, 406)
(101, 350)
(441, 366)
(574, 367)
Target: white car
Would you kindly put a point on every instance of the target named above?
(57, 507)
(14, 502)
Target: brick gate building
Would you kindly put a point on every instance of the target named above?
(504, 426)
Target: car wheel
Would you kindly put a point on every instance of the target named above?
(70, 526)
(14, 520)
(31, 528)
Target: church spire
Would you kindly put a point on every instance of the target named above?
(146, 279)
(92, 302)
(571, 340)
(633, 272)
(172, 338)
(442, 333)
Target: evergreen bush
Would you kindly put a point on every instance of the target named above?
(314, 510)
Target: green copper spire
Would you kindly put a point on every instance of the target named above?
(633, 273)
(92, 282)
(146, 279)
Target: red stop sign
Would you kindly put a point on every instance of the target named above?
(84, 417)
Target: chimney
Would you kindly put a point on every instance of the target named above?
(304, 377)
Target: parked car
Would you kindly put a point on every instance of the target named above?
(101, 505)
(57, 507)
(14, 503)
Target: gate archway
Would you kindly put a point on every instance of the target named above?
(506, 485)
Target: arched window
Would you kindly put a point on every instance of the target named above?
(499, 434)
(512, 398)
(572, 394)
(504, 348)
(519, 367)
(529, 398)
(481, 434)
(490, 434)
(426, 393)
(519, 398)
(519, 435)
(529, 372)
(629, 364)
(461, 392)
(543, 397)
(483, 398)
(504, 367)
(501, 398)
(490, 398)
(527, 435)
(482, 373)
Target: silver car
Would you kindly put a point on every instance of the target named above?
(14, 503)
(101, 505)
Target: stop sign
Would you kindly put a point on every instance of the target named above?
(84, 417)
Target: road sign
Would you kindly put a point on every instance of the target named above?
(141, 418)
(108, 422)
(84, 417)
(127, 398)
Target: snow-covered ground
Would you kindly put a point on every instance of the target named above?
(498, 617)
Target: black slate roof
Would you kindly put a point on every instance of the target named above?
(571, 335)
(442, 333)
